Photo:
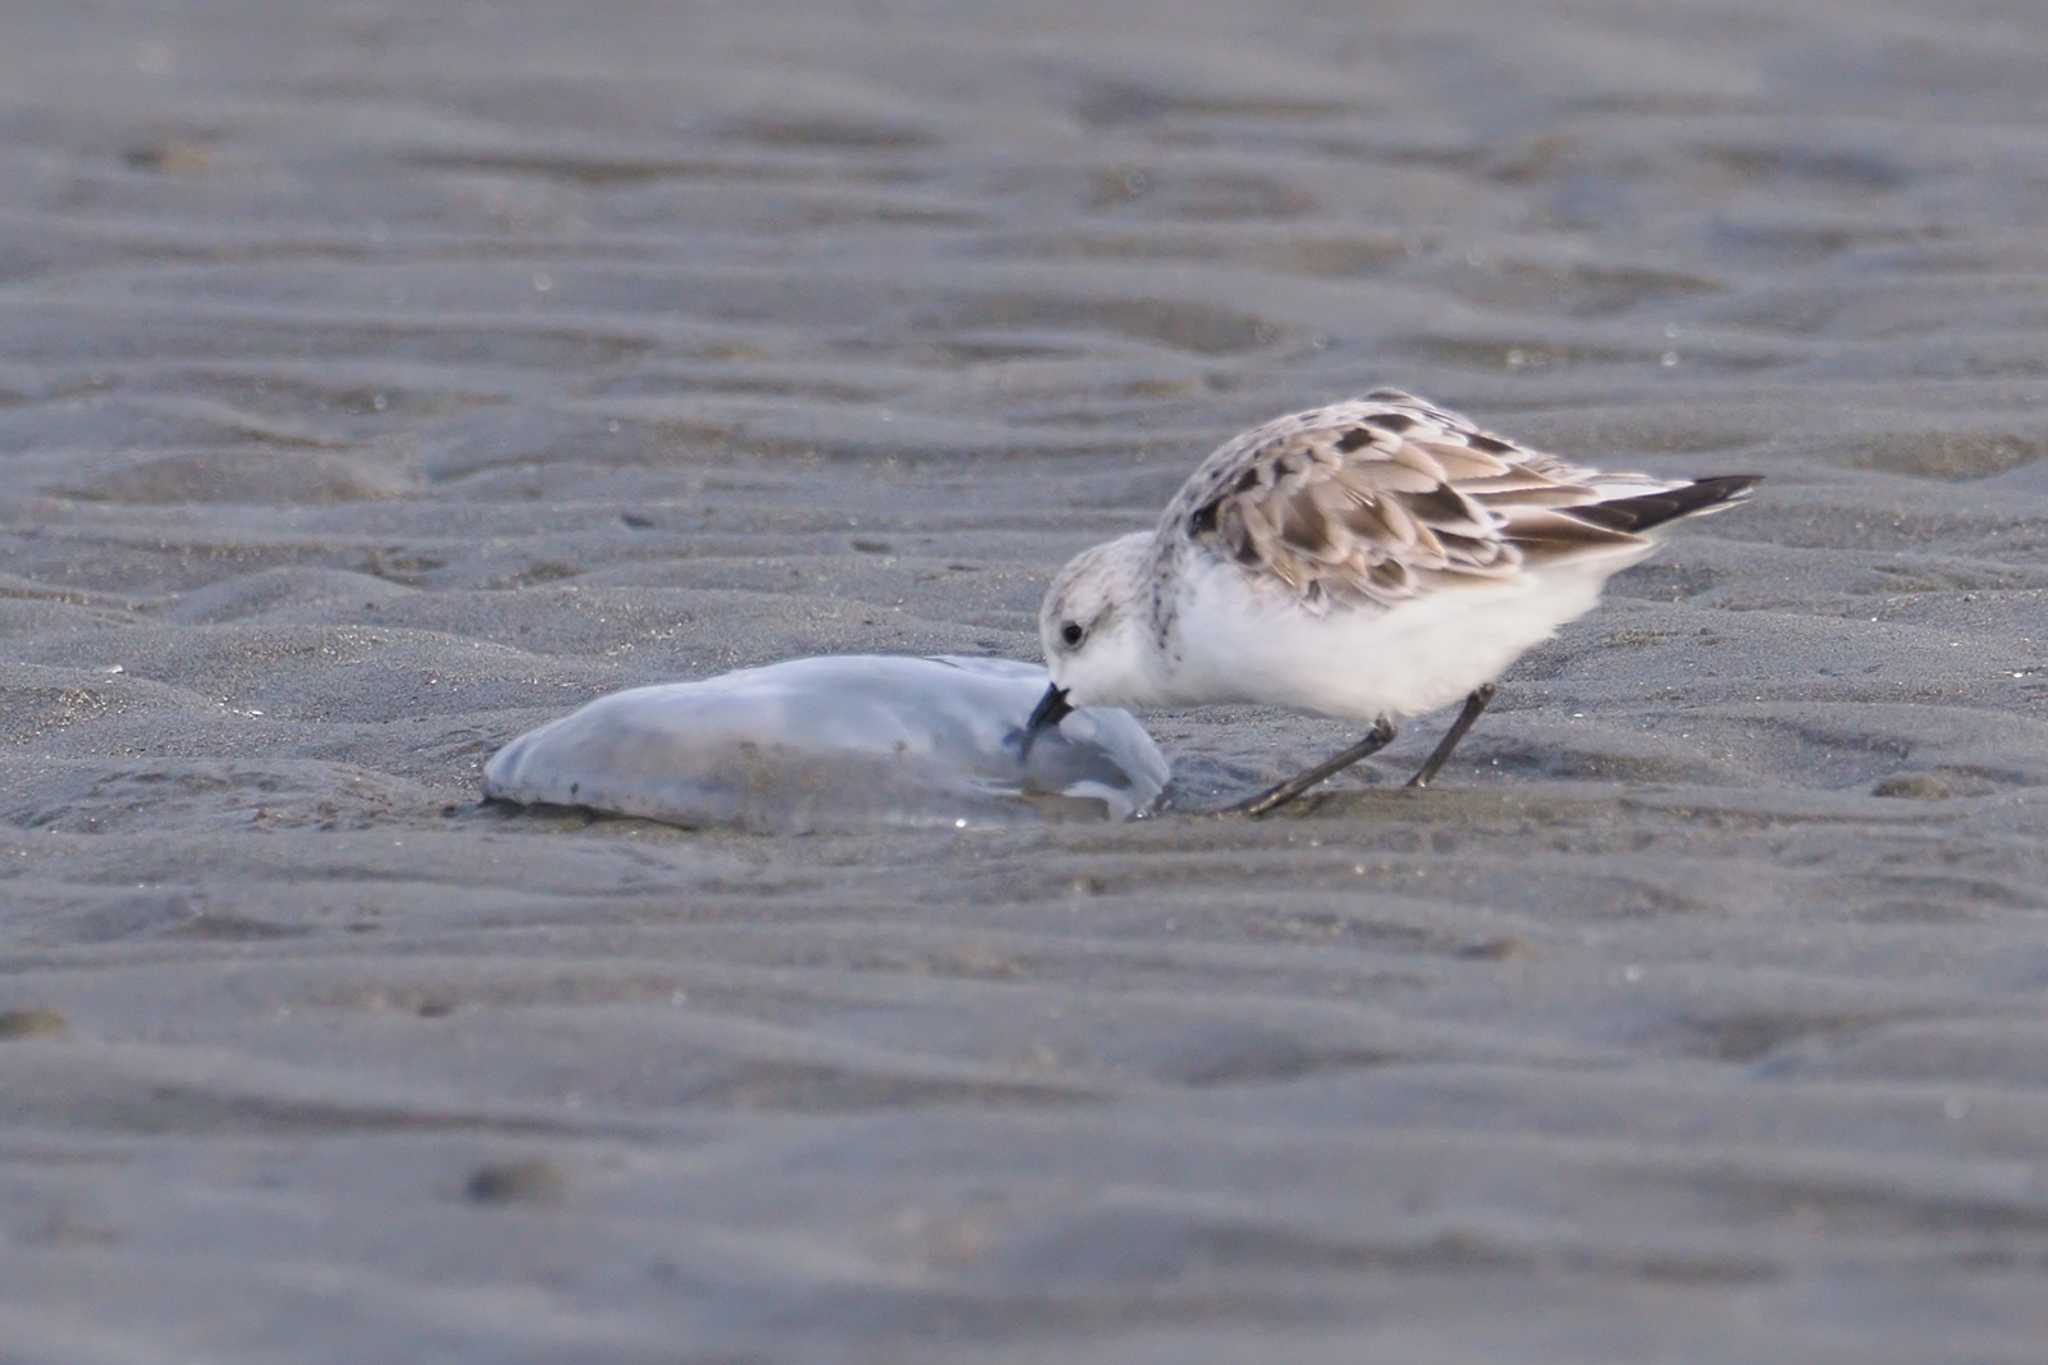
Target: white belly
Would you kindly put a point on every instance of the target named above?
(1237, 644)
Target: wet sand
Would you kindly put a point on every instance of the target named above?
(377, 382)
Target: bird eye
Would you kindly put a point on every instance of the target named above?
(1071, 632)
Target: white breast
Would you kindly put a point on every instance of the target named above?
(1235, 642)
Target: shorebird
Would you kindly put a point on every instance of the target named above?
(1371, 560)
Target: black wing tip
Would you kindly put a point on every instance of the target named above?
(1649, 510)
(1729, 487)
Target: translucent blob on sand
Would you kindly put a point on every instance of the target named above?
(836, 743)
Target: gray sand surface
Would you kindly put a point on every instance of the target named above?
(379, 380)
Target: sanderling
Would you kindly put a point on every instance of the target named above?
(1374, 559)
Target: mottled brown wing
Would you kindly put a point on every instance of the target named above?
(1383, 499)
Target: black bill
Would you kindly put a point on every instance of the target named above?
(1052, 708)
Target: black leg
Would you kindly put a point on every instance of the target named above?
(1474, 704)
(1270, 800)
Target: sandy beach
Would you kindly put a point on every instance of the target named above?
(380, 381)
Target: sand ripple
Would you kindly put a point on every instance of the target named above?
(377, 384)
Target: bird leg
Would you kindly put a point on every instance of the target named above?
(1276, 797)
(1474, 704)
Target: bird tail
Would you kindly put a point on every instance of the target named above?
(1642, 511)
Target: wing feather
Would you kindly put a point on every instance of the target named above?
(1379, 500)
